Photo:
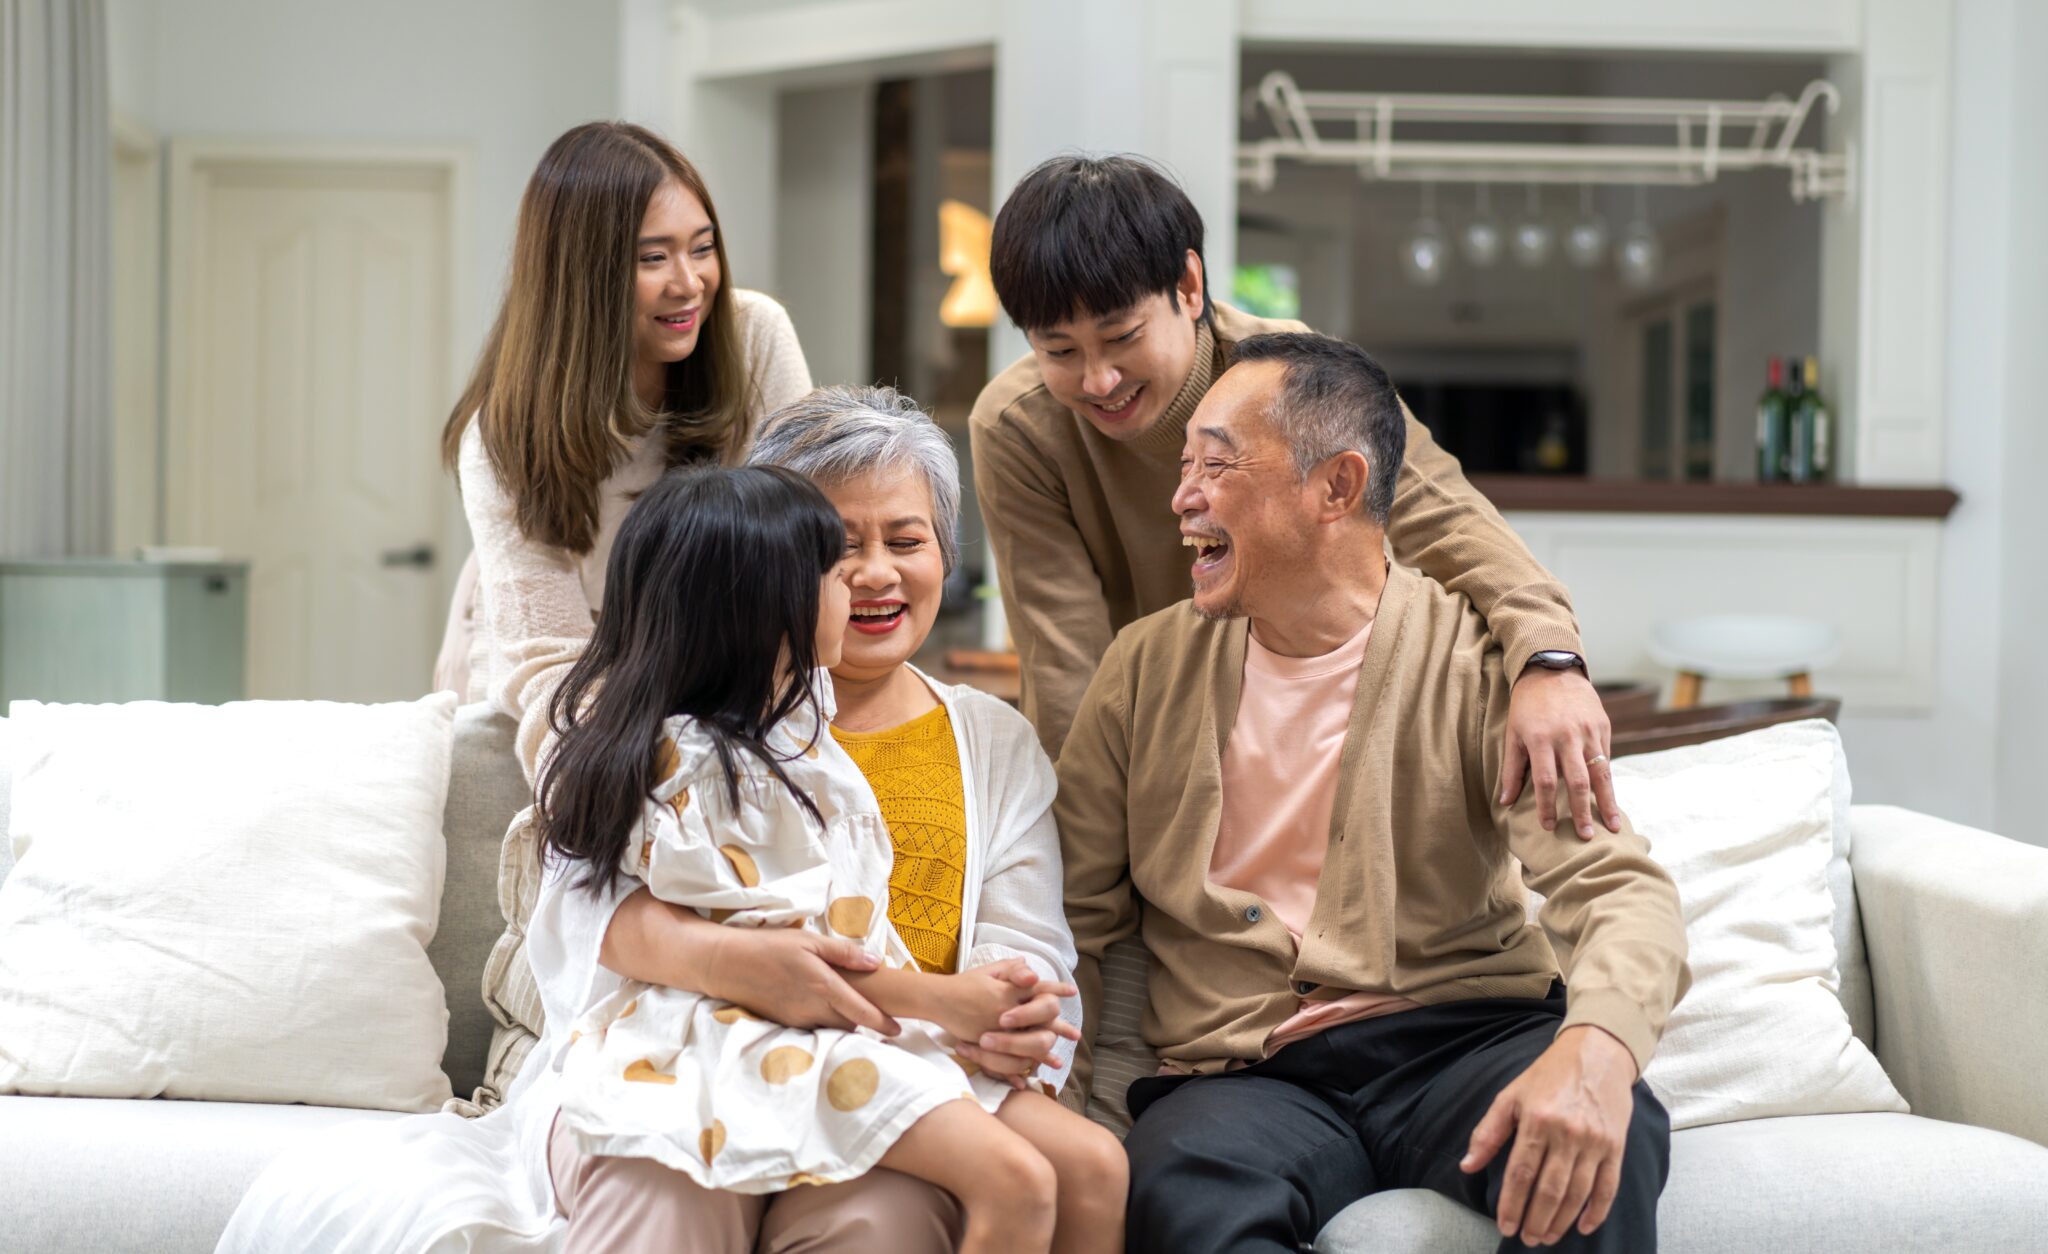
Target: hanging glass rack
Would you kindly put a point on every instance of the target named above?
(1707, 138)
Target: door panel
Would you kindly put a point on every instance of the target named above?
(137, 323)
(318, 351)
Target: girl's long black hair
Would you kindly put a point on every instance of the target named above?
(710, 610)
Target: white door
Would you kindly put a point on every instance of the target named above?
(310, 348)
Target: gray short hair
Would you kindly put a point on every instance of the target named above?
(1335, 399)
(836, 434)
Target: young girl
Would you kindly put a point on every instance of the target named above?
(695, 757)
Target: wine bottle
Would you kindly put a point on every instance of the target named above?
(1795, 468)
(1817, 429)
(1770, 426)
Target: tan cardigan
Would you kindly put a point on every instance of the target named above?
(1086, 541)
(1418, 896)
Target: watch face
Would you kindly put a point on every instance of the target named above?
(1556, 659)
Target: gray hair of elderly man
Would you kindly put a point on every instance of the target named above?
(1334, 398)
(837, 434)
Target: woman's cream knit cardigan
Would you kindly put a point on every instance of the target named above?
(532, 609)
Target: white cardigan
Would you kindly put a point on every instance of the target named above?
(442, 1183)
(532, 608)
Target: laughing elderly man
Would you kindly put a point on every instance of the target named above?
(1295, 772)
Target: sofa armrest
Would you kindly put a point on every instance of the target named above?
(1956, 922)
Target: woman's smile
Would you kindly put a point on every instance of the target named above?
(681, 320)
(879, 617)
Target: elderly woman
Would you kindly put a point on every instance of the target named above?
(967, 793)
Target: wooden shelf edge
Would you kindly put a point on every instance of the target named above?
(1626, 496)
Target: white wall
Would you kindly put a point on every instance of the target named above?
(2022, 681)
(1153, 77)
(1975, 758)
(824, 238)
(501, 78)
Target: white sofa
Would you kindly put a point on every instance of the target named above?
(1954, 997)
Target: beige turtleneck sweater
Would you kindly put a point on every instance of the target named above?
(1086, 541)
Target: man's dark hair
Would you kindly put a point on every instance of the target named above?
(1091, 236)
(1335, 399)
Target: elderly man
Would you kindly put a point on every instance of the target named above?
(1297, 774)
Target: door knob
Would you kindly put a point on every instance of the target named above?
(419, 555)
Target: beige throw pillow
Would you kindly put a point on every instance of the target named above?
(226, 902)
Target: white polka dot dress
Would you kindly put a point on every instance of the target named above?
(704, 1086)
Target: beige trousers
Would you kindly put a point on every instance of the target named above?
(638, 1206)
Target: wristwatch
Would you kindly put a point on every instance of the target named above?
(1558, 660)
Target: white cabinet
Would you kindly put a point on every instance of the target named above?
(92, 630)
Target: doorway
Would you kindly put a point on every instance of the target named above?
(309, 340)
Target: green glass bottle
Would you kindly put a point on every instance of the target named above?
(1815, 426)
(1796, 468)
(1771, 427)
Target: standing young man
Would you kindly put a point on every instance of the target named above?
(1099, 260)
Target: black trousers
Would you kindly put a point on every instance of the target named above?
(1260, 1159)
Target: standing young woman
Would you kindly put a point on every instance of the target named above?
(621, 350)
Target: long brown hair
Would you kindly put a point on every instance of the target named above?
(553, 387)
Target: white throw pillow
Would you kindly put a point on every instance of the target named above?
(226, 902)
(1747, 828)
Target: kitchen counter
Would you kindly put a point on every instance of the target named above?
(1637, 496)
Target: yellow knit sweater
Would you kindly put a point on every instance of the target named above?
(915, 772)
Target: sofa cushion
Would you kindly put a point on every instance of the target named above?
(106, 1176)
(1818, 1184)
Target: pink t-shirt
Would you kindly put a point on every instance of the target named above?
(1280, 769)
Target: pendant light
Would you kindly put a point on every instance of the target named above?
(1482, 238)
(1586, 242)
(1424, 253)
(1639, 256)
(1531, 242)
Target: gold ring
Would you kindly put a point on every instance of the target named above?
(1595, 761)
